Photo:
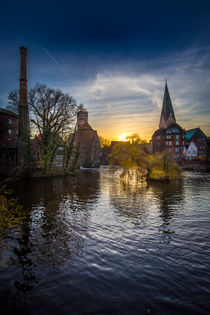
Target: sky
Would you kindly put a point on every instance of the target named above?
(114, 57)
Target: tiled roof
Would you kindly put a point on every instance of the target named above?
(191, 132)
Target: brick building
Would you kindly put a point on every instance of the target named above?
(8, 140)
(170, 136)
(201, 141)
(87, 138)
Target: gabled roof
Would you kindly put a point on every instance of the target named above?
(167, 108)
(162, 131)
(191, 132)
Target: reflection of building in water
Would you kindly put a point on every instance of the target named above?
(54, 232)
(170, 196)
(60, 212)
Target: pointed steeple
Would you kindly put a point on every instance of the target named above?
(167, 115)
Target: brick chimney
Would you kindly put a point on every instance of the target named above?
(23, 103)
(82, 118)
(23, 77)
(24, 129)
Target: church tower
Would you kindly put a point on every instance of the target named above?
(167, 115)
(170, 136)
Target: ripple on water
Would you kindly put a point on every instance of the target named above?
(93, 245)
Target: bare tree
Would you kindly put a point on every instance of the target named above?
(52, 116)
(52, 111)
(13, 100)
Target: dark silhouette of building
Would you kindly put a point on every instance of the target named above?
(8, 140)
(208, 149)
(87, 139)
(170, 136)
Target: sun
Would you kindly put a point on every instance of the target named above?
(123, 137)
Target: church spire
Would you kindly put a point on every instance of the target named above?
(167, 115)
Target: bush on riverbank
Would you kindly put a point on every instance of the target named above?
(12, 214)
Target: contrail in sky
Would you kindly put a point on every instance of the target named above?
(53, 59)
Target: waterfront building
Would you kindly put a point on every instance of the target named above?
(170, 136)
(208, 148)
(87, 139)
(8, 140)
(200, 140)
(190, 151)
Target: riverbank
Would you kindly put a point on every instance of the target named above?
(202, 166)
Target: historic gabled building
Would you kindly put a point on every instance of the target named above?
(87, 139)
(170, 136)
(200, 139)
(190, 151)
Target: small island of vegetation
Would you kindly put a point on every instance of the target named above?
(135, 161)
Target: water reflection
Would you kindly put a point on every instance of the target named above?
(128, 199)
(56, 228)
(170, 196)
(137, 200)
(92, 244)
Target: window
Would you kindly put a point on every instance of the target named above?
(177, 150)
(9, 121)
(168, 137)
(158, 137)
(9, 131)
(177, 142)
(177, 136)
(166, 142)
(169, 142)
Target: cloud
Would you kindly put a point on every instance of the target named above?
(130, 96)
(125, 95)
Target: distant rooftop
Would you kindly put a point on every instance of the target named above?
(190, 133)
(8, 112)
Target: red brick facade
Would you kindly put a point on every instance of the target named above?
(171, 139)
(8, 140)
(170, 136)
(87, 138)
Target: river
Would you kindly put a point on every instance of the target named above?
(94, 245)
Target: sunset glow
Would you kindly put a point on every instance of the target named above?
(123, 137)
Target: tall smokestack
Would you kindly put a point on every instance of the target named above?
(23, 77)
(24, 154)
(23, 103)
